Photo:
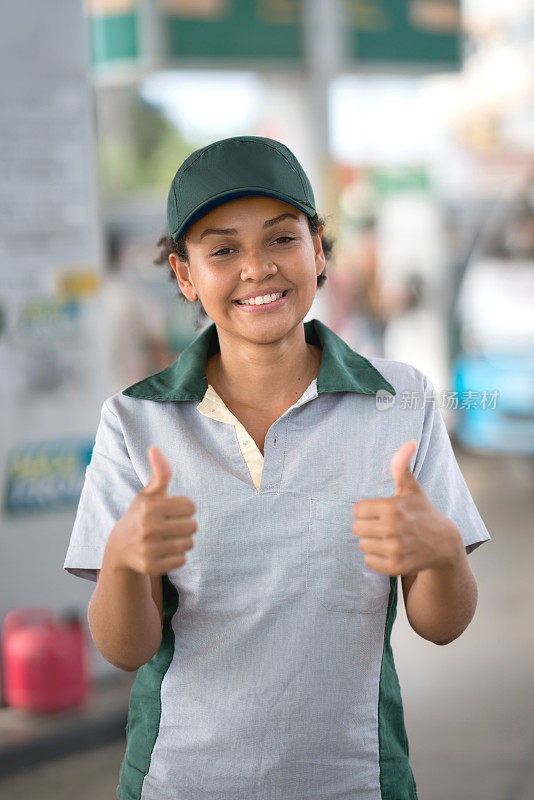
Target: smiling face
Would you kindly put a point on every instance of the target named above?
(248, 247)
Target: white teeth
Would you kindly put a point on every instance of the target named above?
(258, 301)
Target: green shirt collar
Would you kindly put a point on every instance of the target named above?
(342, 369)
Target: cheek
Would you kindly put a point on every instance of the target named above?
(301, 264)
(218, 285)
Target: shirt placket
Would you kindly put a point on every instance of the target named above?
(213, 406)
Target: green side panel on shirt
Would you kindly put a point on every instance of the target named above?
(396, 778)
(144, 712)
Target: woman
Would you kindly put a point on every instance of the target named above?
(264, 660)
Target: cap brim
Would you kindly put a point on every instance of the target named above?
(233, 194)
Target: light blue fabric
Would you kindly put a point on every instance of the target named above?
(273, 688)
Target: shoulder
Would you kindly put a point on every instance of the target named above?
(126, 408)
(401, 375)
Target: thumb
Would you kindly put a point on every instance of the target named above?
(161, 472)
(400, 468)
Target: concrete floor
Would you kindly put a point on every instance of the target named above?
(469, 706)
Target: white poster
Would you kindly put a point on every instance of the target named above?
(53, 364)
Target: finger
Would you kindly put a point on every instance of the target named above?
(401, 470)
(177, 526)
(378, 563)
(371, 528)
(161, 472)
(371, 508)
(172, 545)
(168, 563)
(176, 507)
(377, 547)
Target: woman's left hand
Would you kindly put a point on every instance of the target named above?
(405, 533)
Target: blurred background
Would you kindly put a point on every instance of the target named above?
(415, 121)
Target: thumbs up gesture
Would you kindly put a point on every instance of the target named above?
(405, 533)
(156, 531)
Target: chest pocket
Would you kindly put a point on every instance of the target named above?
(335, 570)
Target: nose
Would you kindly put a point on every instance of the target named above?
(256, 265)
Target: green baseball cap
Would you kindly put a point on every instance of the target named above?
(231, 168)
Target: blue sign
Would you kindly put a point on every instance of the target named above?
(46, 476)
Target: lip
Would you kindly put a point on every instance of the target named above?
(267, 290)
(265, 306)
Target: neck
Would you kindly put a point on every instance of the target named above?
(260, 376)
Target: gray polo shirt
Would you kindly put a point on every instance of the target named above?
(275, 678)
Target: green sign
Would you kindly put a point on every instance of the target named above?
(235, 29)
(390, 34)
(389, 180)
(407, 32)
(114, 29)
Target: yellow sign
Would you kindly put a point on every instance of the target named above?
(73, 283)
(201, 9)
(108, 8)
(434, 15)
(279, 12)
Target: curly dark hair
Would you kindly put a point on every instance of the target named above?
(168, 246)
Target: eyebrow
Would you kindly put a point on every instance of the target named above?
(233, 231)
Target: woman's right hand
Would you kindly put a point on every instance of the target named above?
(156, 531)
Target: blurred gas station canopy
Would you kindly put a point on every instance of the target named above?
(401, 36)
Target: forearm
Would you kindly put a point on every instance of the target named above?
(123, 619)
(442, 601)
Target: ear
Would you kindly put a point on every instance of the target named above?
(183, 276)
(320, 258)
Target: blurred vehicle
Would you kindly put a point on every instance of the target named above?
(495, 312)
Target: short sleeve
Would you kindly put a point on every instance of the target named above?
(436, 469)
(110, 485)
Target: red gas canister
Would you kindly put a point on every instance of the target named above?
(44, 660)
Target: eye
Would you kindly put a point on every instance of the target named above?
(218, 252)
(287, 238)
